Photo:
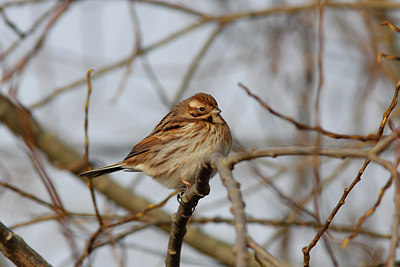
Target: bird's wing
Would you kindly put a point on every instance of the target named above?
(164, 132)
(144, 146)
(171, 125)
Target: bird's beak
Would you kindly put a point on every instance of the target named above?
(216, 110)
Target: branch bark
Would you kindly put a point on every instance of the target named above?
(186, 208)
(15, 249)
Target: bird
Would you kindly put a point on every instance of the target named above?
(174, 152)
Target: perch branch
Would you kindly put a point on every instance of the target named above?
(187, 205)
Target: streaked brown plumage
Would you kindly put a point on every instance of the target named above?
(176, 148)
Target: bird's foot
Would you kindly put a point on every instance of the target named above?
(184, 188)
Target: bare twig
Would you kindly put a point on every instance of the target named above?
(28, 195)
(372, 156)
(195, 63)
(11, 24)
(135, 52)
(367, 213)
(306, 127)
(272, 261)
(33, 28)
(14, 3)
(161, 92)
(86, 154)
(291, 222)
(209, 19)
(91, 244)
(394, 241)
(18, 68)
(118, 64)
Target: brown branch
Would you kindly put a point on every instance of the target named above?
(86, 154)
(11, 24)
(134, 54)
(29, 196)
(141, 214)
(121, 236)
(205, 20)
(388, 57)
(189, 202)
(91, 244)
(292, 222)
(33, 28)
(118, 64)
(391, 26)
(394, 241)
(290, 203)
(376, 149)
(151, 75)
(224, 168)
(14, 3)
(367, 213)
(18, 68)
(186, 208)
(305, 127)
(175, 7)
(195, 63)
(272, 261)
(15, 249)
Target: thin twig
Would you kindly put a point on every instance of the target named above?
(291, 222)
(394, 241)
(86, 155)
(372, 157)
(28, 195)
(194, 65)
(306, 127)
(272, 261)
(208, 19)
(18, 68)
(367, 213)
(134, 54)
(118, 64)
(151, 75)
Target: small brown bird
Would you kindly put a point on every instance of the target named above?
(174, 152)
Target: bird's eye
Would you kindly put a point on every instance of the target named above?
(201, 109)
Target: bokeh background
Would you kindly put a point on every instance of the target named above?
(147, 56)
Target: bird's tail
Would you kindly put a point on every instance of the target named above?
(102, 171)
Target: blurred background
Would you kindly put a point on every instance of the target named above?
(149, 55)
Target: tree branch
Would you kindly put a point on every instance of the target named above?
(15, 249)
(186, 208)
